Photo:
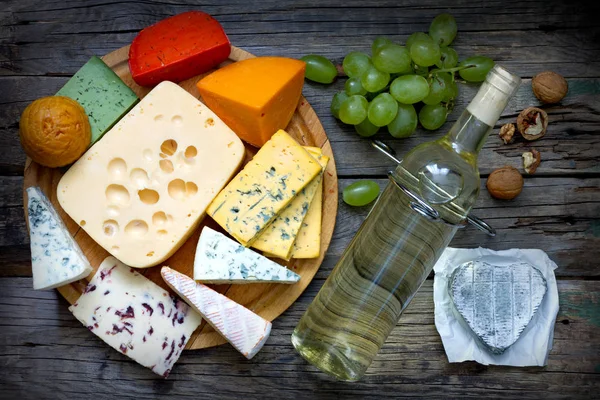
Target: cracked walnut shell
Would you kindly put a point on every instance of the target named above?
(532, 123)
(531, 160)
(505, 183)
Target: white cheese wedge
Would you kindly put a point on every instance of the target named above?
(143, 188)
(56, 259)
(135, 316)
(245, 330)
(222, 260)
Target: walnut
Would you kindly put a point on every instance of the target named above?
(531, 160)
(505, 183)
(549, 87)
(506, 133)
(532, 123)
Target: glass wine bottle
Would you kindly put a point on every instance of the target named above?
(398, 244)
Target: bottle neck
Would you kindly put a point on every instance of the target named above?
(468, 135)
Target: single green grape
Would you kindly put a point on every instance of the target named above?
(437, 89)
(417, 35)
(448, 59)
(425, 52)
(356, 63)
(432, 116)
(382, 110)
(366, 128)
(443, 29)
(353, 110)
(391, 58)
(379, 41)
(319, 69)
(409, 89)
(405, 122)
(480, 66)
(360, 193)
(353, 86)
(373, 80)
(336, 102)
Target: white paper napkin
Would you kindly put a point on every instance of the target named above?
(460, 342)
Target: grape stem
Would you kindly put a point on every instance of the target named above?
(451, 70)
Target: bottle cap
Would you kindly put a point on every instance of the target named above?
(493, 95)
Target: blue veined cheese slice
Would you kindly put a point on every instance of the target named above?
(56, 259)
(222, 260)
(135, 316)
(245, 330)
(497, 301)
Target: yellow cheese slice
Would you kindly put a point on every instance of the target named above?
(308, 239)
(266, 185)
(278, 238)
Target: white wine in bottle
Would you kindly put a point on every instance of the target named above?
(397, 245)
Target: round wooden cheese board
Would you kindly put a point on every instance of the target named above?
(267, 300)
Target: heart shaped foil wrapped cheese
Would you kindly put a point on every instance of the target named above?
(497, 302)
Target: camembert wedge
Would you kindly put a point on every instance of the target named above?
(222, 260)
(245, 330)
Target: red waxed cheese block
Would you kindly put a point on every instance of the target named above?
(178, 48)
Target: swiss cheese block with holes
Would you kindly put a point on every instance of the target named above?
(255, 97)
(142, 190)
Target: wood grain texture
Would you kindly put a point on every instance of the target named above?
(267, 300)
(48, 354)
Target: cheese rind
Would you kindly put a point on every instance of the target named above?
(221, 260)
(56, 259)
(103, 95)
(279, 237)
(135, 316)
(245, 330)
(266, 185)
(143, 189)
(255, 97)
(308, 239)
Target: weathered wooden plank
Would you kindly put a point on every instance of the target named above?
(558, 215)
(51, 352)
(571, 145)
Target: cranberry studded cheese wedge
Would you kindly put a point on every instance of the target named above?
(143, 189)
(177, 48)
(255, 97)
(135, 316)
(246, 331)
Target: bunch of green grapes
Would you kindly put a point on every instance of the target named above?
(388, 87)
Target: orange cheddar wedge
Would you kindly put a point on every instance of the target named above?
(255, 97)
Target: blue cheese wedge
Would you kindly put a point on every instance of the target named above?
(245, 330)
(222, 260)
(497, 301)
(56, 259)
(135, 316)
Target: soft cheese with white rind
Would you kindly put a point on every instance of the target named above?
(222, 260)
(245, 330)
(56, 259)
(135, 316)
(143, 189)
(497, 301)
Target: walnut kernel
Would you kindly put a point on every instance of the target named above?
(505, 183)
(507, 132)
(531, 160)
(532, 123)
(549, 87)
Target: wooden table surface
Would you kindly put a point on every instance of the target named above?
(46, 353)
